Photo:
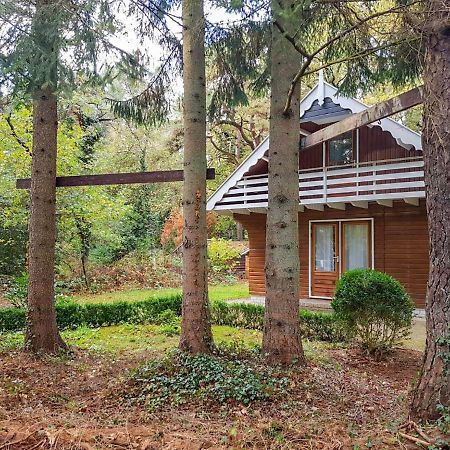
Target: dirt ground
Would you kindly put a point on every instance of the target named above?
(341, 401)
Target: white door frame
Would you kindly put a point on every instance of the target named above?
(339, 222)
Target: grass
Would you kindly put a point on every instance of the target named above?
(216, 292)
(125, 339)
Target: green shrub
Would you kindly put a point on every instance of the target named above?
(181, 378)
(72, 315)
(221, 255)
(238, 315)
(374, 308)
(321, 326)
(12, 319)
(166, 311)
(18, 291)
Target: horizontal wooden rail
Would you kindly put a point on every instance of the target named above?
(108, 179)
(371, 181)
(377, 112)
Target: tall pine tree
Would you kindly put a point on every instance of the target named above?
(433, 388)
(282, 341)
(196, 333)
(32, 67)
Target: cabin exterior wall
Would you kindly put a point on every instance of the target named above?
(400, 244)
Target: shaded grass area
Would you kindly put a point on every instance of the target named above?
(121, 340)
(216, 292)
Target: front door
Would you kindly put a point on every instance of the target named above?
(337, 247)
(325, 258)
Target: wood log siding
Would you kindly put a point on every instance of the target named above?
(401, 245)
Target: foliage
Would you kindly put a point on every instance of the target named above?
(221, 254)
(374, 307)
(72, 315)
(314, 325)
(182, 378)
(172, 232)
(33, 38)
(443, 422)
(18, 291)
(165, 310)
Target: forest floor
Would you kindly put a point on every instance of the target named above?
(342, 400)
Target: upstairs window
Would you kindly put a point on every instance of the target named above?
(340, 150)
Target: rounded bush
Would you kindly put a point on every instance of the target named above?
(374, 308)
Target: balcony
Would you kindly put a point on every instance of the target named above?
(357, 184)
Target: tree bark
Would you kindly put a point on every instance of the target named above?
(434, 384)
(281, 340)
(42, 332)
(196, 336)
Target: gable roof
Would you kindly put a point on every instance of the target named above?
(404, 136)
(318, 99)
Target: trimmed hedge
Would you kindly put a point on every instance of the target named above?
(320, 326)
(74, 315)
(315, 325)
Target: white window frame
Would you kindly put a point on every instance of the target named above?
(371, 220)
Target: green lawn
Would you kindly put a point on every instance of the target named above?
(126, 339)
(216, 292)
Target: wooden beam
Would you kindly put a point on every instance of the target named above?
(377, 112)
(315, 207)
(387, 203)
(337, 205)
(412, 201)
(108, 179)
(361, 204)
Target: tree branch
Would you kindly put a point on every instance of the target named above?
(15, 135)
(240, 128)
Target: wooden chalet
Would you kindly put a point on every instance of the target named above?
(361, 201)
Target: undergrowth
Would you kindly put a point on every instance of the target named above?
(229, 376)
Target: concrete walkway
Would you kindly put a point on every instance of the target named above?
(313, 304)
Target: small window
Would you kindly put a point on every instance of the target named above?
(341, 150)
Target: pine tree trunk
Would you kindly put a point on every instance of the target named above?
(196, 333)
(434, 385)
(282, 341)
(42, 333)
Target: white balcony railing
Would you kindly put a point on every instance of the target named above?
(371, 181)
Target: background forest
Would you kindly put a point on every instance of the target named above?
(114, 236)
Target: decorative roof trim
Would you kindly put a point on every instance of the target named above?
(403, 135)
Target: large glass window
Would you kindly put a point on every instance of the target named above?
(356, 251)
(325, 248)
(341, 150)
